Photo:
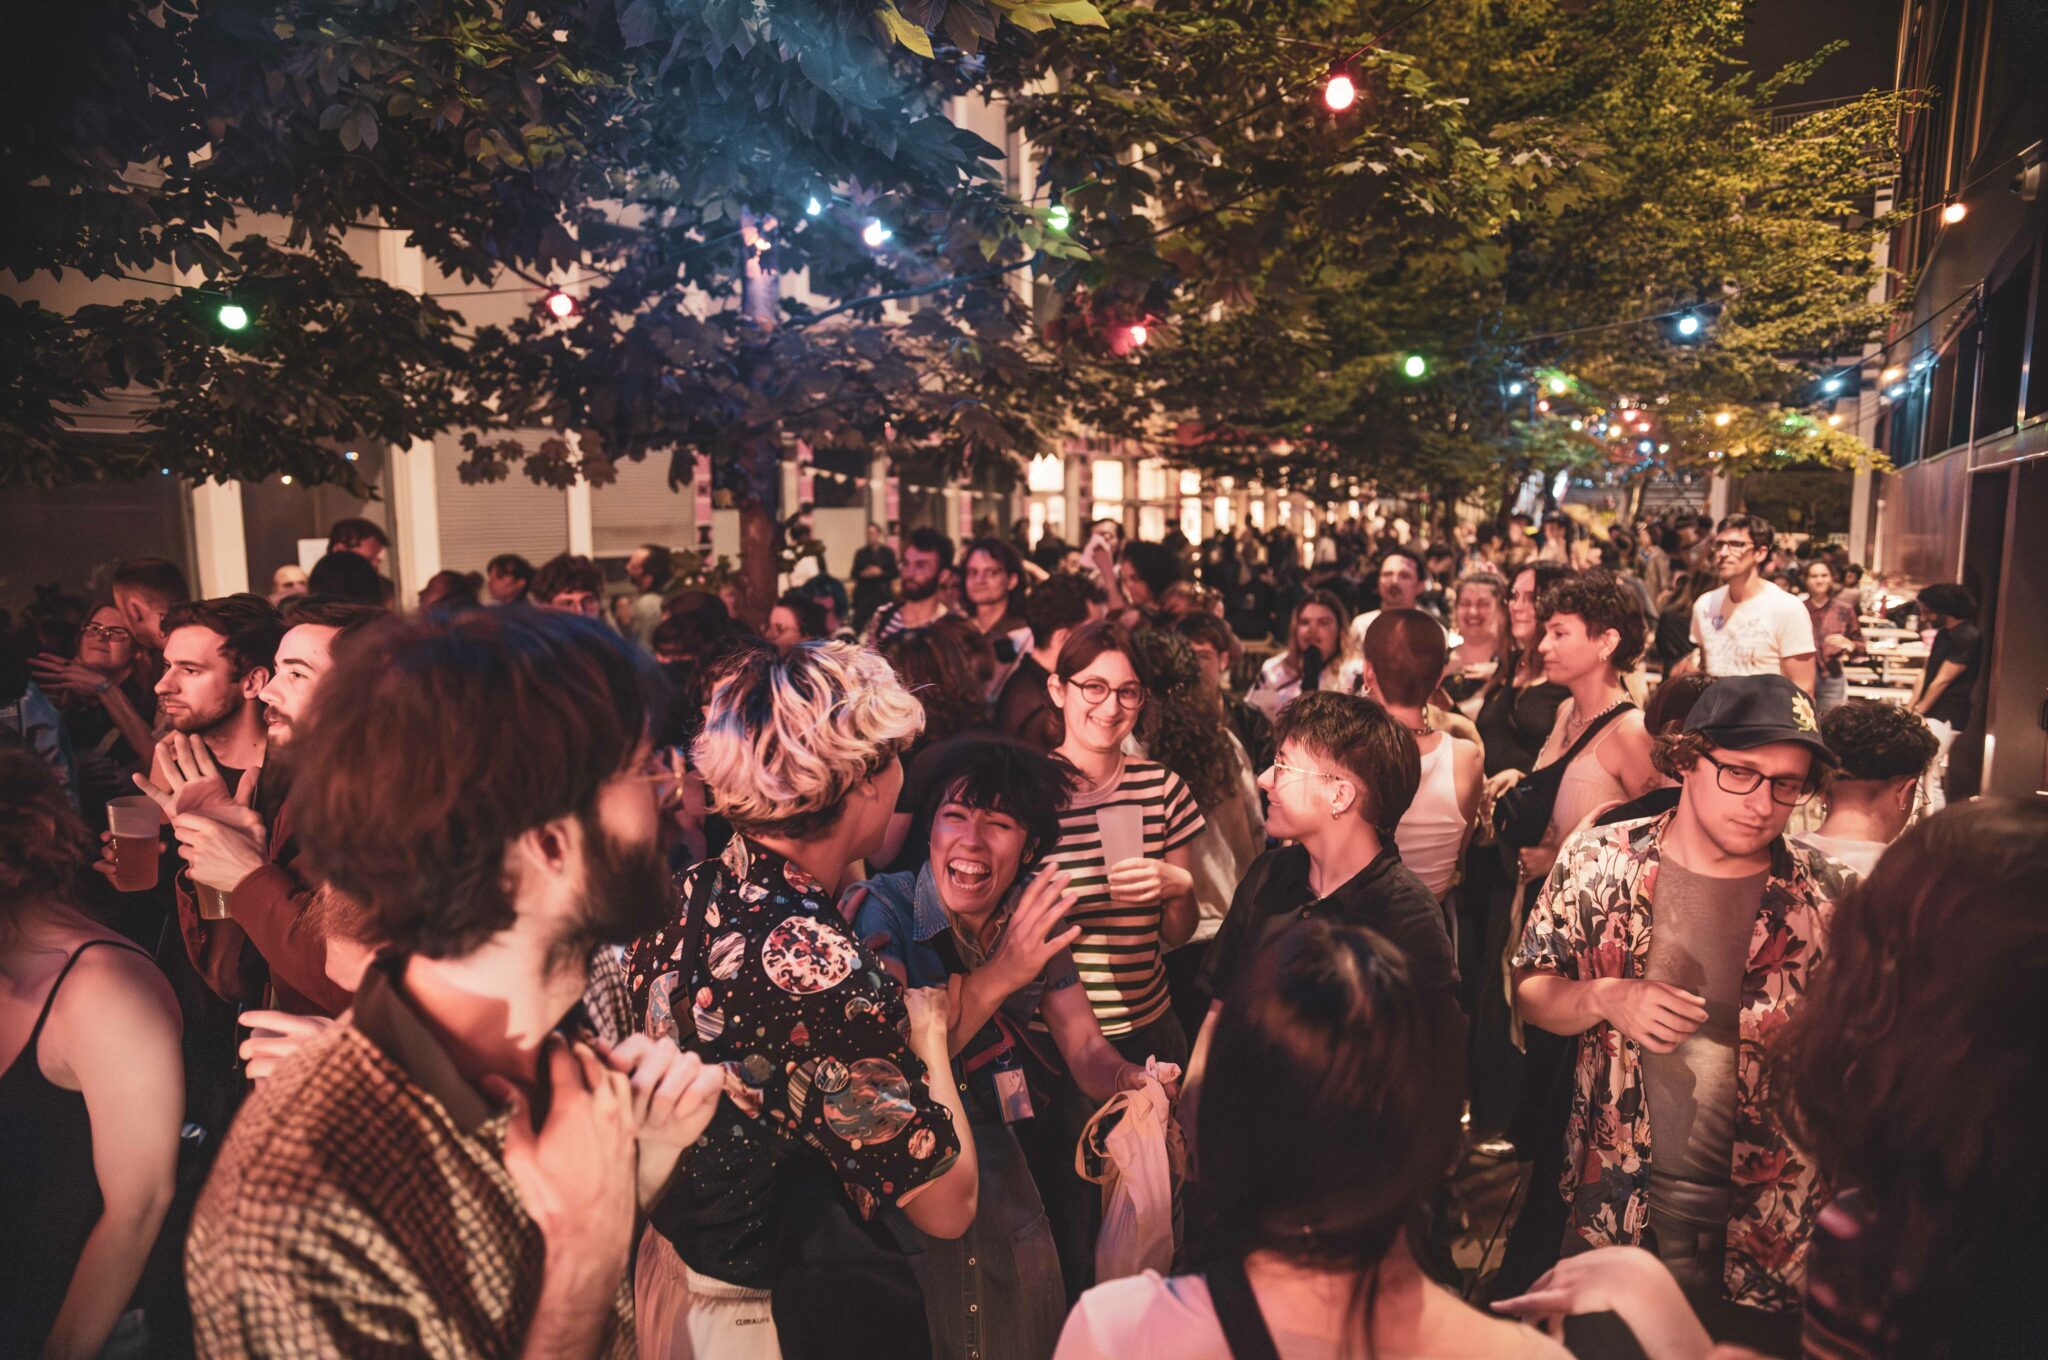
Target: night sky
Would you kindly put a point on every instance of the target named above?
(1781, 31)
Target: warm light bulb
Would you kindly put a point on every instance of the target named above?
(874, 233)
(1688, 325)
(1831, 384)
(1835, 419)
(1560, 385)
(1415, 365)
(1543, 405)
(1891, 375)
(813, 207)
(560, 305)
(1722, 418)
(1340, 93)
(233, 317)
(1058, 218)
(1140, 334)
(1954, 212)
(1515, 389)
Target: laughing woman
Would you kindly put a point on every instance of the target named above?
(972, 921)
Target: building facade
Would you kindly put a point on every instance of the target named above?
(1962, 382)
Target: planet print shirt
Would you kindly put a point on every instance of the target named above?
(818, 1072)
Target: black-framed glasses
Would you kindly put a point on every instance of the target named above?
(1129, 696)
(1724, 546)
(1740, 779)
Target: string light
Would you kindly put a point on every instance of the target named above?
(1645, 446)
(1058, 218)
(1831, 384)
(1895, 391)
(1722, 418)
(1340, 93)
(286, 479)
(1953, 211)
(1415, 366)
(1140, 333)
(232, 317)
(1835, 419)
(1560, 385)
(1891, 375)
(1689, 325)
(1515, 388)
(874, 233)
(813, 207)
(560, 305)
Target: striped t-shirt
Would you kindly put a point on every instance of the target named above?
(1117, 951)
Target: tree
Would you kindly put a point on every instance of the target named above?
(1601, 163)
(661, 160)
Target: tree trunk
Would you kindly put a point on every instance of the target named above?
(760, 480)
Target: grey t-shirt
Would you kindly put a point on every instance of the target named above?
(1700, 942)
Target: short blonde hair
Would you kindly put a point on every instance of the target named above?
(788, 737)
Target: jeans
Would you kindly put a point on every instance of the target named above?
(994, 1293)
(1830, 691)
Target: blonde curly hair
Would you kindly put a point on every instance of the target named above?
(786, 738)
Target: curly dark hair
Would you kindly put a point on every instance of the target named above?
(1179, 730)
(1915, 1069)
(44, 846)
(1601, 602)
(1875, 740)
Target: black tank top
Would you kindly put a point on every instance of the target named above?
(49, 1194)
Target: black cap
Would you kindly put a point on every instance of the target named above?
(1742, 712)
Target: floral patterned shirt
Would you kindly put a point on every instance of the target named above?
(811, 1032)
(1593, 920)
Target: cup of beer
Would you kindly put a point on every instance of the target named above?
(213, 903)
(135, 823)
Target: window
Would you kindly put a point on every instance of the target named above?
(2005, 338)
(1151, 479)
(1106, 483)
(1048, 473)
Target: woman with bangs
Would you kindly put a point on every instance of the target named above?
(832, 1110)
(979, 920)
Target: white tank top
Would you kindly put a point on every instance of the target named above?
(1432, 830)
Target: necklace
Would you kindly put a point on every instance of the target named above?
(1572, 730)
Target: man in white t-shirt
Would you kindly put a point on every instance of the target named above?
(1749, 626)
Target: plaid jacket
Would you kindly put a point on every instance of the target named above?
(1593, 920)
(360, 1206)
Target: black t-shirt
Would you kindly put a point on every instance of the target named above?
(1385, 896)
(1962, 644)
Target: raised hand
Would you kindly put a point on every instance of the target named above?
(193, 777)
(224, 843)
(674, 1096)
(1037, 931)
(576, 1174)
(61, 675)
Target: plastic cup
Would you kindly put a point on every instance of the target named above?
(1123, 833)
(213, 903)
(136, 824)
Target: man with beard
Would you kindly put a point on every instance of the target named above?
(229, 848)
(926, 557)
(484, 788)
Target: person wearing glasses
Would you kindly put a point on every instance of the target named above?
(1345, 774)
(1674, 1142)
(1125, 844)
(103, 691)
(1749, 625)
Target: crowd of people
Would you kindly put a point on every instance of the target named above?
(1016, 951)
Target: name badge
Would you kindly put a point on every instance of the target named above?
(1013, 1095)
